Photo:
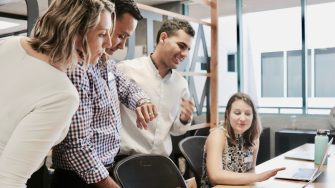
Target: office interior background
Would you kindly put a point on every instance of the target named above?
(282, 53)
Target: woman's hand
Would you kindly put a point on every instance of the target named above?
(268, 174)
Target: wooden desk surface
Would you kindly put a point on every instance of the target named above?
(325, 180)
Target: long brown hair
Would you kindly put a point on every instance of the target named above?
(56, 32)
(255, 129)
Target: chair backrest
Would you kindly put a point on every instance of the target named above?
(192, 149)
(149, 171)
(202, 132)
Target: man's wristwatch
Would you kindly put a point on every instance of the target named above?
(142, 101)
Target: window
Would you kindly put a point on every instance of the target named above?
(294, 75)
(324, 72)
(272, 74)
(231, 63)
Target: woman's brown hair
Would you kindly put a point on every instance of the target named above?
(255, 129)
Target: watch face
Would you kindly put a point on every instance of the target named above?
(331, 117)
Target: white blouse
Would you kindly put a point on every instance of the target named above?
(37, 102)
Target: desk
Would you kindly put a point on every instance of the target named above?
(15, 27)
(325, 180)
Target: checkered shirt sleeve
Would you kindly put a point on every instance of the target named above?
(128, 91)
(77, 152)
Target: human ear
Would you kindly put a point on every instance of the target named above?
(163, 36)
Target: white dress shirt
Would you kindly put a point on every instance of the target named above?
(166, 93)
(37, 102)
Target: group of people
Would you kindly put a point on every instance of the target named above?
(62, 91)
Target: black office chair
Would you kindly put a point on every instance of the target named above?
(202, 132)
(192, 149)
(149, 171)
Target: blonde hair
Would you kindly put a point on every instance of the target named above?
(56, 32)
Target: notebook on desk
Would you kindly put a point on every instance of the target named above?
(305, 174)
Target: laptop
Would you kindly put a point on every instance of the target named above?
(300, 155)
(305, 174)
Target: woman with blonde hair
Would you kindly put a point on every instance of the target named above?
(231, 150)
(37, 99)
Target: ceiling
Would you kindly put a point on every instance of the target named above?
(199, 10)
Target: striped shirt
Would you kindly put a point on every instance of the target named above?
(94, 136)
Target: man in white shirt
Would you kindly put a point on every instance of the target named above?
(167, 89)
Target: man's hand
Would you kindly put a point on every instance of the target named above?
(145, 113)
(187, 109)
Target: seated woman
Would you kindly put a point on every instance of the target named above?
(231, 149)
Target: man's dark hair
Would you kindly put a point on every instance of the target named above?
(127, 6)
(172, 26)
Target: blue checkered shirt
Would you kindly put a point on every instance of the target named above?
(94, 136)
